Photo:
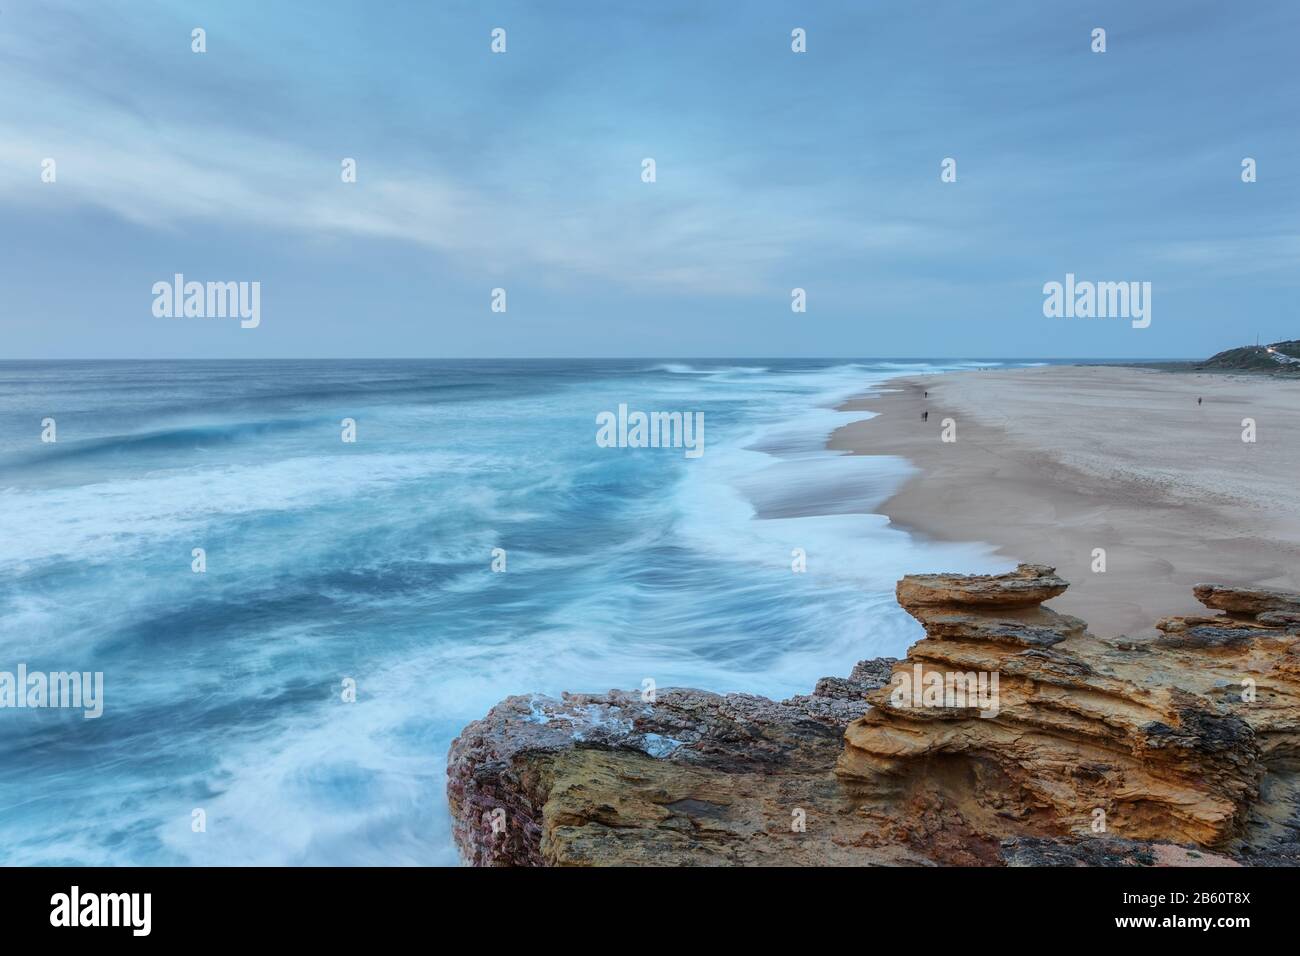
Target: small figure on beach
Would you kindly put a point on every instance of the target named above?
(1198, 399)
(925, 416)
(927, 394)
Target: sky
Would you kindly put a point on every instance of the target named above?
(522, 170)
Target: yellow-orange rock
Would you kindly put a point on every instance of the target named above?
(1164, 739)
(1009, 735)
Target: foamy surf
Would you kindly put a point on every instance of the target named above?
(372, 562)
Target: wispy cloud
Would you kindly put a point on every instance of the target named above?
(775, 170)
(701, 229)
(1277, 253)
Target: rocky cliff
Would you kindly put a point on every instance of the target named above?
(1008, 736)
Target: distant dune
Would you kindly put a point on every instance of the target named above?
(1279, 358)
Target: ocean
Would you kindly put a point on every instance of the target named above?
(369, 564)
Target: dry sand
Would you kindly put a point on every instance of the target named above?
(1053, 462)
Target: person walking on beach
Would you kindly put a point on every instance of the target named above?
(925, 416)
(1198, 399)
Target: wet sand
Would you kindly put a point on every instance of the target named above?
(1051, 463)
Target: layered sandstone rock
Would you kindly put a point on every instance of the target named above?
(1168, 739)
(1009, 735)
(688, 778)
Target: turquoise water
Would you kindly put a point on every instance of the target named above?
(372, 561)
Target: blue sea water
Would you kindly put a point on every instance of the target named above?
(371, 560)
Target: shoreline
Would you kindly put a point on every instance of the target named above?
(1052, 462)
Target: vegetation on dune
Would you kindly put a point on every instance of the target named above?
(1277, 357)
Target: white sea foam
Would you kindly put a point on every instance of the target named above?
(99, 521)
(375, 566)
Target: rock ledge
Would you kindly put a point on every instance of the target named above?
(1008, 736)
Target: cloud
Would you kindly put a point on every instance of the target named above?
(183, 177)
(179, 157)
(1277, 253)
(709, 237)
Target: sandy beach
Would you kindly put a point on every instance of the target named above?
(1050, 463)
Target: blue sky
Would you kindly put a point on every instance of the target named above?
(522, 171)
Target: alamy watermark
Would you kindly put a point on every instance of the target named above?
(921, 688)
(1098, 300)
(209, 300)
(80, 690)
(130, 910)
(651, 430)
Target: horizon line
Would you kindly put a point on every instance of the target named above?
(627, 358)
